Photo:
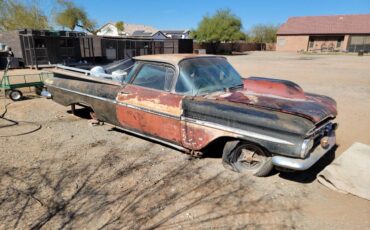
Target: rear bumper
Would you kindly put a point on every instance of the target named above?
(303, 164)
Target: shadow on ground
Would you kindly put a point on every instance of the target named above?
(144, 192)
(215, 151)
(82, 112)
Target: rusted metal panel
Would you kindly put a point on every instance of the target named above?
(152, 112)
(197, 137)
(156, 100)
(67, 90)
(150, 124)
(282, 96)
(273, 125)
(277, 87)
(275, 114)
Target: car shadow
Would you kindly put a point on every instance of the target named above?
(116, 129)
(309, 175)
(81, 112)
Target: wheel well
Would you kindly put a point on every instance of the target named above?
(82, 104)
(215, 147)
(85, 112)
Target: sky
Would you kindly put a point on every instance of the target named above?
(186, 14)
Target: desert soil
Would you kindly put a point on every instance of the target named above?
(68, 174)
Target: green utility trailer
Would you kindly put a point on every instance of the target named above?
(12, 84)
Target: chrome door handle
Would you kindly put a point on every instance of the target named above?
(124, 93)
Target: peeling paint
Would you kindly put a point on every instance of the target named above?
(276, 114)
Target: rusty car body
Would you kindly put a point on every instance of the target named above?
(191, 101)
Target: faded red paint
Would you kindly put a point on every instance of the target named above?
(280, 88)
(280, 95)
(196, 137)
(165, 102)
(157, 113)
(149, 123)
(275, 95)
(329, 103)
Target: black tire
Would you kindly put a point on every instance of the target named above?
(15, 95)
(245, 157)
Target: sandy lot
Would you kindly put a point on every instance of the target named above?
(68, 174)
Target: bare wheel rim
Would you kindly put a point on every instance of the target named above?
(249, 157)
(15, 95)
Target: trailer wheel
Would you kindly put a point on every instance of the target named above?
(15, 95)
(246, 157)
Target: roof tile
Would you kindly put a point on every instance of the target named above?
(336, 24)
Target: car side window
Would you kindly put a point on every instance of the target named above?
(183, 85)
(155, 77)
(170, 75)
(131, 73)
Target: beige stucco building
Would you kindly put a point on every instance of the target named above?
(342, 33)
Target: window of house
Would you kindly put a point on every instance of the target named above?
(155, 77)
(358, 43)
(356, 40)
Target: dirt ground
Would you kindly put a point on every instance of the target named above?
(68, 174)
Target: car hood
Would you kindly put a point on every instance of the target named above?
(280, 95)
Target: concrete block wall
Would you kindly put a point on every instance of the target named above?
(292, 43)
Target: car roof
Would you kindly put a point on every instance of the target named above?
(172, 58)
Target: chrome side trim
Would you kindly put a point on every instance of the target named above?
(84, 94)
(86, 72)
(154, 139)
(199, 122)
(238, 131)
(128, 130)
(120, 103)
(149, 111)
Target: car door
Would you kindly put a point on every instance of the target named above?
(147, 105)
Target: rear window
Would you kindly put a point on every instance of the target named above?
(155, 77)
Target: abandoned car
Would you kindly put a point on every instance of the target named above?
(191, 101)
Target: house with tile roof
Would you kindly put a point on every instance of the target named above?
(344, 33)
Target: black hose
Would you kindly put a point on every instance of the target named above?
(14, 123)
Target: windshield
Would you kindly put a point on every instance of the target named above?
(205, 75)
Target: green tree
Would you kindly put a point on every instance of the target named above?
(72, 16)
(223, 26)
(17, 15)
(120, 26)
(263, 33)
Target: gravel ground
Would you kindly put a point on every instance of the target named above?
(71, 175)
